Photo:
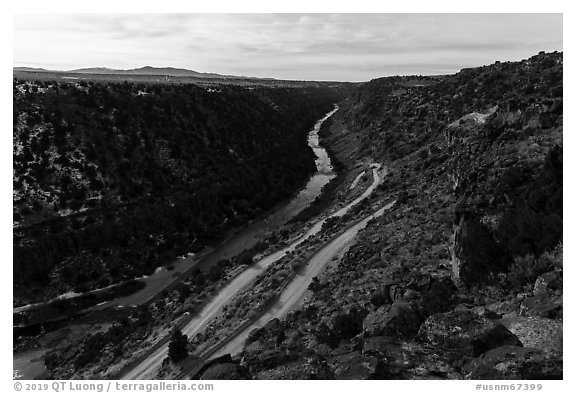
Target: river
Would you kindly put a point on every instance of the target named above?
(250, 234)
(244, 240)
(241, 240)
(296, 289)
(149, 367)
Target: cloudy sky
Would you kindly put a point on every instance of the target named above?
(353, 47)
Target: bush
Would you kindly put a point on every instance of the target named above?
(380, 297)
(331, 222)
(128, 287)
(297, 265)
(344, 326)
(178, 346)
(324, 335)
(525, 270)
(423, 154)
(183, 292)
(315, 285)
(75, 204)
(215, 273)
(348, 325)
(361, 206)
(246, 258)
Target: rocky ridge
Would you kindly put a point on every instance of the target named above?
(463, 277)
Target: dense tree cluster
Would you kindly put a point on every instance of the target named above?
(120, 177)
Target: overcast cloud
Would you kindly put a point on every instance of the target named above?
(352, 47)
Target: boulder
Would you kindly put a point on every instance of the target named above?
(545, 306)
(347, 346)
(437, 298)
(223, 371)
(465, 333)
(390, 351)
(302, 369)
(408, 360)
(536, 332)
(504, 307)
(258, 356)
(479, 310)
(354, 365)
(513, 362)
(503, 119)
(548, 283)
(475, 255)
(398, 320)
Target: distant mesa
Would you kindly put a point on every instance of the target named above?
(30, 69)
(147, 70)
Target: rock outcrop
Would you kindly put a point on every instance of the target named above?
(475, 255)
(453, 279)
(535, 332)
(401, 359)
(513, 362)
(465, 334)
(398, 320)
(224, 371)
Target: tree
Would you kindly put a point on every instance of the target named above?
(178, 347)
(325, 335)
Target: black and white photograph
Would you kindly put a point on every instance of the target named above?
(201, 196)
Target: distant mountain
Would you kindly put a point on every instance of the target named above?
(147, 70)
(149, 74)
(96, 70)
(171, 71)
(30, 69)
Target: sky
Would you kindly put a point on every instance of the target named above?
(343, 47)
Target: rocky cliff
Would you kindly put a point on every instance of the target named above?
(463, 277)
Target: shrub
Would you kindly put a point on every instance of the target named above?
(297, 265)
(314, 285)
(246, 258)
(423, 154)
(525, 270)
(344, 326)
(75, 204)
(380, 297)
(348, 325)
(330, 223)
(178, 346)
(325, 335)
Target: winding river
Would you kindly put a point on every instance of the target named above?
(250, 234)
(29, 365)
(294, 293)
(290, 297)
(148, 368)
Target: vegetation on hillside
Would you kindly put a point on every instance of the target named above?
(113, 179)
(462, 278)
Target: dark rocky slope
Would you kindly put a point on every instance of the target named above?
(112, 180)
(463, 278)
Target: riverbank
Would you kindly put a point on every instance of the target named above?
(150, 366)
(209, 319)
(165, 280)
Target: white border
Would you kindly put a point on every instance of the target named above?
(247, 6)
